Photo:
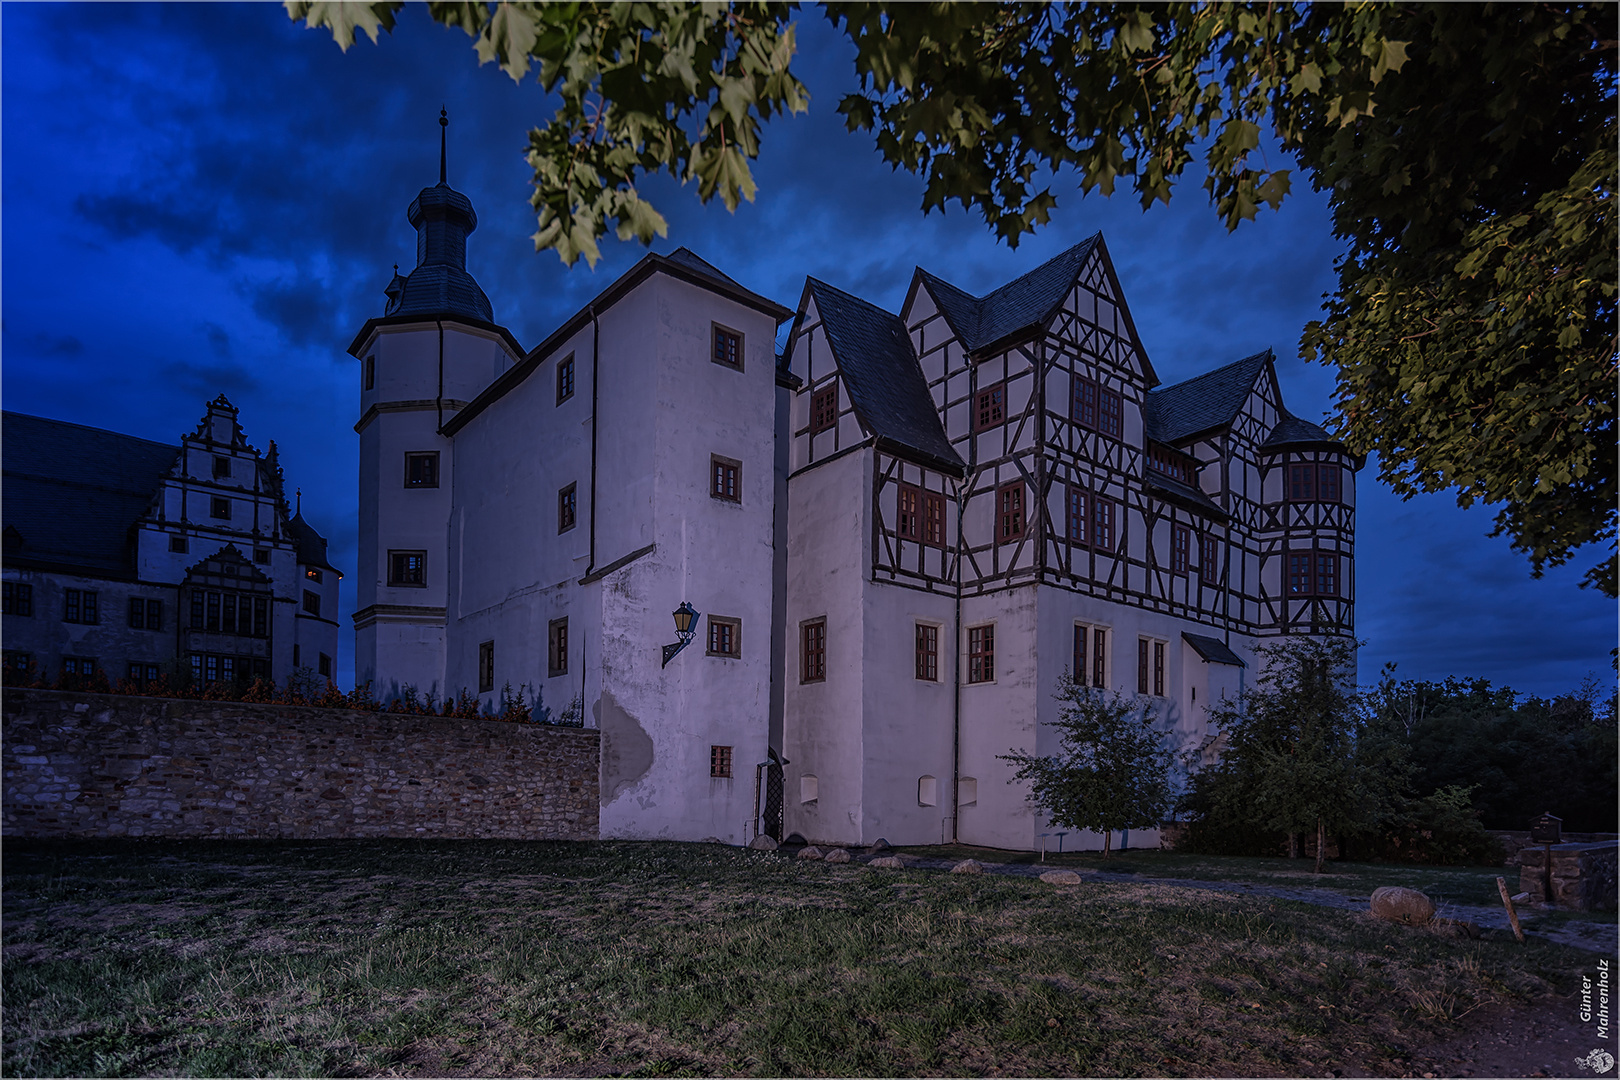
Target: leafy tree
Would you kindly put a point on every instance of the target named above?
(1468, 152)
(1300, 752)
(1113, 771)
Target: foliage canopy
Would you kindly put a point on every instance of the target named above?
(1468, 153)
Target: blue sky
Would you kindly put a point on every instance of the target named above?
(204, 199)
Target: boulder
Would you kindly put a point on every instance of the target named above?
(762, 842)
(1061, 877)
(1401, 905)
(837, 855)
(810, 852)
(888, 862)
(968, 866)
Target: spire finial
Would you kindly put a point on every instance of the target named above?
(298, 494)
(444, 124)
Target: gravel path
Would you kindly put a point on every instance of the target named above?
(1593, 936)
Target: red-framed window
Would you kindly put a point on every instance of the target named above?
(908, 519)
(1083, 402)
(567, 508)
(1099, 656)
(1103, 535)
(725, 478)
(728, 347)
(720, 762)
(1011, 520)
(1209, 558)
(1143, 645)
(1327, 483)
(1299, 572)
(933, 503)
(1313, 482)
(1327, 574)
(1110, 413)
(981, 654)
(1180, 549)
(1313, 573)
(813, 651)
(927, 652)
(1077, 516)
(1158, 669)
(824, 409)
(990, 406)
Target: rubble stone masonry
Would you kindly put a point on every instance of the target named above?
(89, 765)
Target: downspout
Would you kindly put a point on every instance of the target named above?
(956, 671)
(596, 370)
(438, 402)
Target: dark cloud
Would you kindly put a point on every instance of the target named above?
(53, 345)
(204, 382)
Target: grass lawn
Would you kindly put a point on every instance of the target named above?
(491, 958)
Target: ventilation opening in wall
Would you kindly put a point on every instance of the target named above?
(927, 791)
(807, 789)
(967, 791)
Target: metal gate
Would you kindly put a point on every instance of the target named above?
(773, 798)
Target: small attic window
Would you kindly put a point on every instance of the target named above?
(261, 555)
(222, 467)
(728, 347)
(824, 409)
(220, 508)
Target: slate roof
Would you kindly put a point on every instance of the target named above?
(73, 492)
(1022, 303)
(1291, 431)
(1203, 403)
(881, 373)
(1213, 650)
(311, 545)
(688, 258)
(1189, 497)
(440, 284)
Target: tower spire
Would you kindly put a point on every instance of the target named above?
(444, 124)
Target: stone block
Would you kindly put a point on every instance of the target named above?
(1061, 877)
(837, 855)
(1402, 905)
(810, 852)
(968, 866)
(888, 862)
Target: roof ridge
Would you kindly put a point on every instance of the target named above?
(86, 427)
(1261, 355)
(1042, 266)
(859, 300)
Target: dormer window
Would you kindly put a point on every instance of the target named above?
(1170, 463)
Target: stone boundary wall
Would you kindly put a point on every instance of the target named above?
(93, 765)
(1515, 841)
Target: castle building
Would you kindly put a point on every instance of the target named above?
(139, 560)
(893, 540)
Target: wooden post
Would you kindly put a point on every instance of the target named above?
(1513, 916)
(1546, 875)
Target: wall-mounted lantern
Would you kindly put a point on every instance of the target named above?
(685, 616)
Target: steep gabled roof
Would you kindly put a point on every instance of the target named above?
(688, 258)
(1203, 403)
(884, 379)
(71, 493)
(1023, 303)
(311, 545)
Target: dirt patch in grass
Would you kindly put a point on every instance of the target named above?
(502, 958)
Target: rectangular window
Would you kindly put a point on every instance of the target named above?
(213, 610)
(1110, 413)
(1209, 559)
(323, 665)
(19, 598)
(728, 347)
(312, 602)
(261, 617)
(824, 409)
(927, 652)
(79, 606)
(1180, 549)
(1301, 483)
(145, 614)
(725, 478)
(1299, 573)
(1142, 646)
(407, 568)
(15, 660)
(725, 636)
(313, 574)
(1010, 512)
(1327, 575)
(228, 619)
(422, 469)
(368, 373)
(565, 379)
(1081, 656)
(141, 674)
(908, 522)
(486, 667)
(179, 545)
(934, 518)
(990, 407)
(1102, 523)
(261, 555)
(1327, 483)
(1083, 405)
(567, 508)
(813, 651)
(222, 467)
(220, 508)
(1076, 518)
(981, 654)
(1158, 669)
(557, 647)
(78, 665)
(720, 762)
(1099, 656)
